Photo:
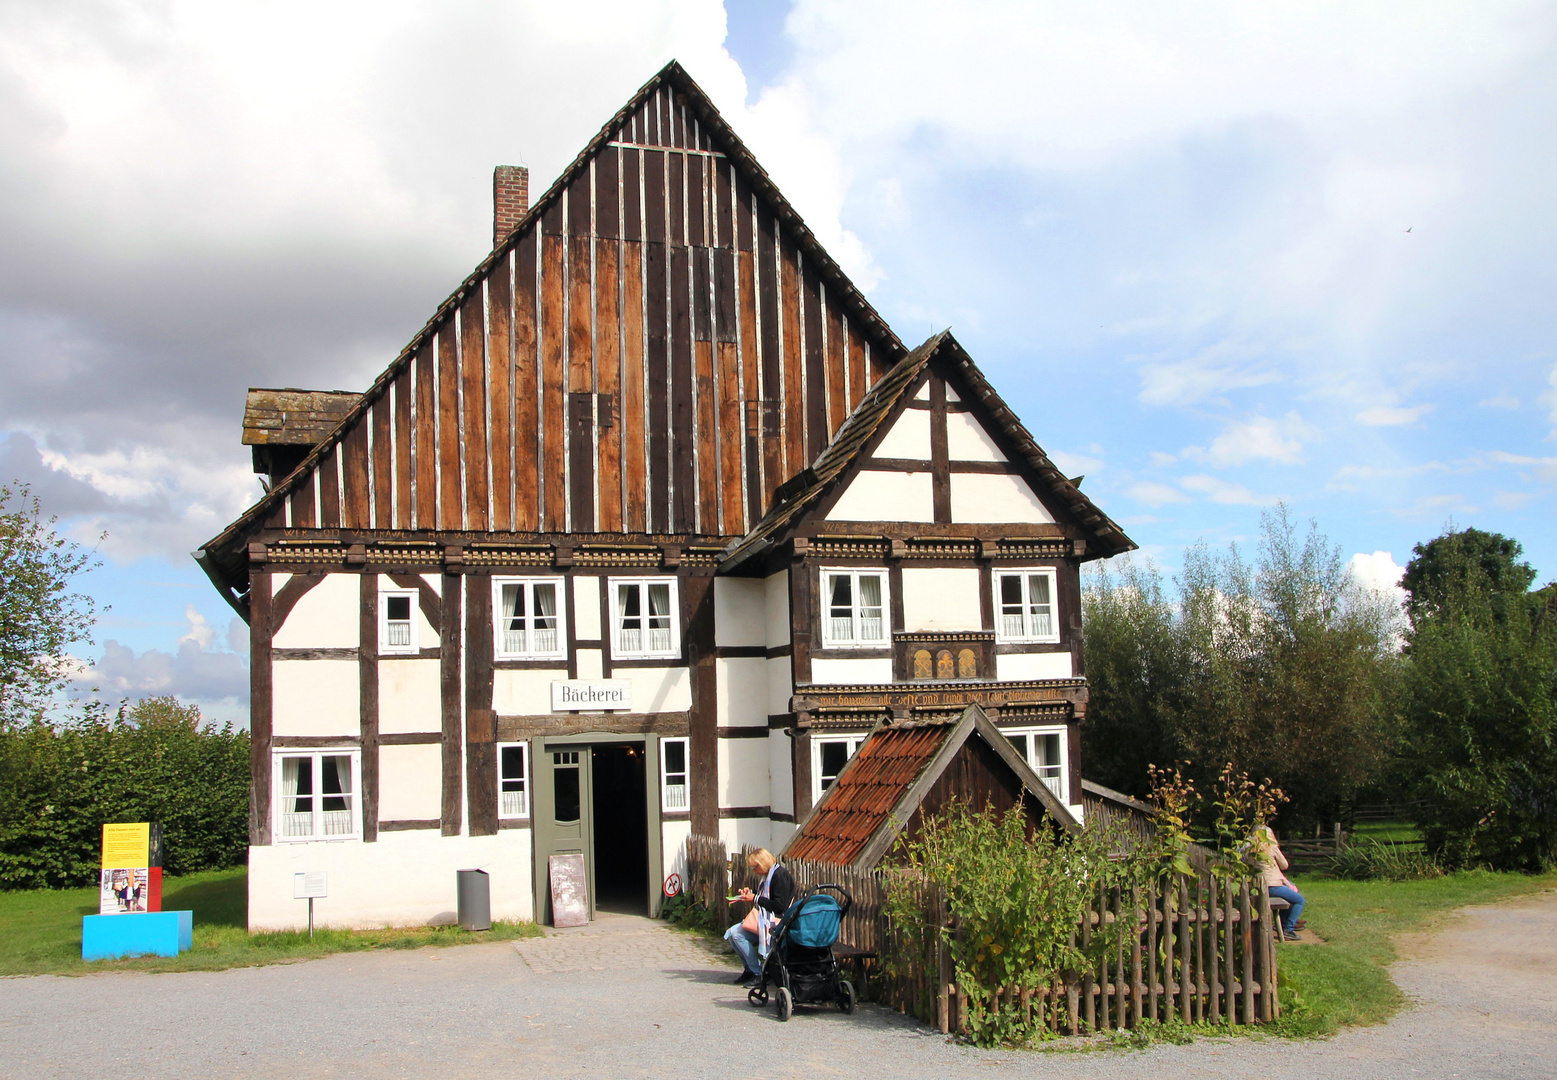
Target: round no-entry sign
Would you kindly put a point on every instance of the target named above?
(673, 885)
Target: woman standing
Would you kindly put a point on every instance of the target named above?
(749, 938)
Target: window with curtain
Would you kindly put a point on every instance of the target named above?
(529, 623)
(643, 617)
(673, 775)
(854, 607)
(513, 789)
(1026, 601)
(831, 755)
(1044, 752)
(397, 628)
(318, 796)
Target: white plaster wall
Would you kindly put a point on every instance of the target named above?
(776, 592)
(524, 692)
(852, 670)
(908, 437)
(781, 782)
(316, 697)
(586, 611)
(951, 395)
(435, 581)
(662, 689)
(942, 598)
(409, 696)
(410, 782)
(923, 393)
(888, 496)
(740, 612)
(741, 693)
(995, 498)
(1016, 666)
(673, 848)
(325, 617)
(743, 772)
(591, 663)
(735, 832)
(403, 879)
(781, 833)
(780, 685)
(966, 439)
(277, 581)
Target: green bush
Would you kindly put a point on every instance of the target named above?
(1376, 860)
(150, 762)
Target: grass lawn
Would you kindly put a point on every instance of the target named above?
(1343, 981)
(40, 931)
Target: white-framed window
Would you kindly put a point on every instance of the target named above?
(529, 615)
(854, 607)
(316, 795)
(643, 618)
(397, 621)
(828, 757)
(513, 780)
(675, 794)
(1026, 606)
(1044, 751)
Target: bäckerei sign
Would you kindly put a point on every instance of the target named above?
(591, 695)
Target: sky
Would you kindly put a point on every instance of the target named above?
(1214, 255)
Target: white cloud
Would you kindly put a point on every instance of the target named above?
(1260, 438)
(1153, 494)
(1393, 416)
(1210, 374)
(1162, 460)
(1075, 464)
(1376, 571)
(1500, 401)
(199, 670)
(1220, 491)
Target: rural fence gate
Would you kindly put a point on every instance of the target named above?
(1194, 947)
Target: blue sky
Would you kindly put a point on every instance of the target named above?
(1213, 256)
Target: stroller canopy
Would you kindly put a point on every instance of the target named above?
(815, 924)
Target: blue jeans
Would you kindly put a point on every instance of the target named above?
(744, 942)
(1293, 897)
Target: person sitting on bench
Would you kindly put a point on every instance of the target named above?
(1272, 864)
(749, 937)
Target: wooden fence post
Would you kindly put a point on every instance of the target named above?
(1135, 956)
(1152, 918)
(1246, 944)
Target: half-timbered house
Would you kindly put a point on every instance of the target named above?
(642, 533)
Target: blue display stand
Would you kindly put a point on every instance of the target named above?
(141, 933)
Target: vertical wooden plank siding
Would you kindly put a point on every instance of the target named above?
(367, 672)
(480, 721)
(528, 454)
(354, 472)
(449, 695)
(474, 455)
(706, 437)
(425, 450)
(731, 496)
(382, 465)
(816, 430)
(402, 443)
(837, 370)
(553, 384)
(260, 705)
(501, 389)
(608, 372)
(330, 490)
(451, 501)
(682, 470)
(794, 408)
(634, 448)
(755, 490)
(697, 608)
(302, 501)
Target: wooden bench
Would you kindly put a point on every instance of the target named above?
(845, 953)
(1278, 907)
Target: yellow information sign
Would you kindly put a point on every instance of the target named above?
(127, 847)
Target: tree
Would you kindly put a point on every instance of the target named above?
(39, 615)
(1479, 700)
(1279, 667)
(1446, 561)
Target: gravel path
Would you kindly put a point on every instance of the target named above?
(628, 998)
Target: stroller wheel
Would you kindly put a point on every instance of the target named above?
(757, 996)
(846, 999)
(786, 1003)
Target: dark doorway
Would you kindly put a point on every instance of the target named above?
(621, 828)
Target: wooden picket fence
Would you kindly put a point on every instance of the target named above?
(1197, 948)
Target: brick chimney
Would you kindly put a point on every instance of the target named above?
(510, 199)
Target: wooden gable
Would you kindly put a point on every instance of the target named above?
(933, 449)
(656, 348)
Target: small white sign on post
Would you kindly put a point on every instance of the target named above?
(310, 885)
(307, 886)
(591, 695)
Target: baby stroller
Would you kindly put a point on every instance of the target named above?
(800, 955)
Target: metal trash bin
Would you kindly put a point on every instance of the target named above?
(474, 899)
